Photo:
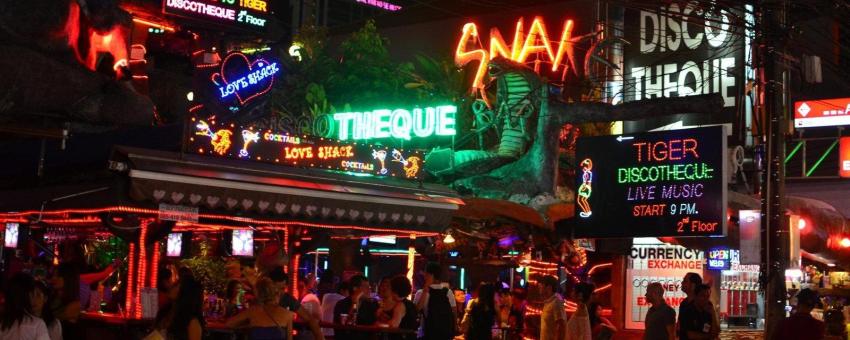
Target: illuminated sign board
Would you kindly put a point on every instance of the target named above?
(531, 44)
(233, 86)
(670, 183)
(398, 123)
(844, 157)
(719, 259)
(822, 112)
(662, 263)
(682, 50)
(243, 142)
(249, 14)
(380, 4)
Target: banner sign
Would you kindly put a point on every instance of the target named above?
(670, 183)
(246, 14)
(243, 142)
(822, 112)
(680, 49)
(661, 263)
(178, 213)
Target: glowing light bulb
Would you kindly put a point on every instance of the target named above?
(801, 224)
(450, 239)
(845, 242)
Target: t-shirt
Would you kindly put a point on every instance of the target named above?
(329, 301)
(55, 330)
(657, 320)
(30, 328)
(688, 319)
(553, 310)
(800, 326)
(578, 326)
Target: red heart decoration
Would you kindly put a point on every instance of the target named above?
(237, 66)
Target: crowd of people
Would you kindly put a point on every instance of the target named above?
(47, 306)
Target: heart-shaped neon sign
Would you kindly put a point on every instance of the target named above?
(244, 79)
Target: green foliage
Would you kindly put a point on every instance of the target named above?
(209, 271)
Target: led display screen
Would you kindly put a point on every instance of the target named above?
(243, 14)
(670, 183)
(11, 237)
(174, 245)
(242, 242)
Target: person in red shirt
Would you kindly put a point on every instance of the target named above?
(801, 325)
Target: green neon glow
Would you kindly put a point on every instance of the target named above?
(677, 172)
(398, 123)
(462, 278)
(822, 157)
(794, 152)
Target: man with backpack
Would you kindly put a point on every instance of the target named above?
(437, 304)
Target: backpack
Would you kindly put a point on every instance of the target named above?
(440, 318)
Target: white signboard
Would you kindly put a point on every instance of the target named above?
(663, 263)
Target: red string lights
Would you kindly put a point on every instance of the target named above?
(131, 274)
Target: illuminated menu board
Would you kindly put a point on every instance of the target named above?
(670, 183)
(247, 14)
(244, 142)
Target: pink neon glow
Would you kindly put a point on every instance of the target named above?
(381, 4)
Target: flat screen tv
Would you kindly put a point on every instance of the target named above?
(174, 247)
(11, 237)
(242, 243)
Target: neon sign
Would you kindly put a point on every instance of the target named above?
(719, 259)
(523, 46)
(245, 13)
(212, 138)
(399, 123)
(669, 183)
(244, 79)
(381, 4)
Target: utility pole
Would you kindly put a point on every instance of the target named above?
(772, 24)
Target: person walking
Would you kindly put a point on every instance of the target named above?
(437, 303)
(688, 313)
(660, 321)
(481, 314)
(553, 318)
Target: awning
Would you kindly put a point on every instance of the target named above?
(243, 188)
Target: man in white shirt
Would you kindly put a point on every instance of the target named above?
(431, 329)
(553, 318)
(329, 301)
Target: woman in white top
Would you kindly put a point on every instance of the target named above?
(54, 326)
(19, 321)
(578, 326)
